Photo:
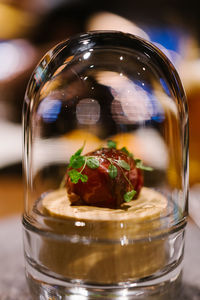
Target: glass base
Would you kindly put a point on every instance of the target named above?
(164, 288)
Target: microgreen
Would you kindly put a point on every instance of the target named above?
(112, 171)
(75, 176)
(125, 150)
(122, 163)
(92, 162)
(129, 195)
(139, 165)
(79, 151)
(111, 144)
(76, 160)
(83, 177)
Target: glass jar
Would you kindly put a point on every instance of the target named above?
(106, 171)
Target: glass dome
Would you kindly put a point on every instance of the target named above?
(116, 91)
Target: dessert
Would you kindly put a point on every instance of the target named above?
(103, 199)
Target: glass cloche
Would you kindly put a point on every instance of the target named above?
(106, 169)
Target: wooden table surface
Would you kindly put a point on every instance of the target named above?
(11, 194)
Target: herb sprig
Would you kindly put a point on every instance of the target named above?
(111, 144)
(77, 160)
(129, 195)
(139, 165)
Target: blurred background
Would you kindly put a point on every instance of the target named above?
(29, 28)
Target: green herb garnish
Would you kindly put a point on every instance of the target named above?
(84, 178)
(125, 150)
(76, 160)
(139, 165)
(75, 176)
(112, 171)
(129, 195)
(122, 163)
(111, 144)
(92, 162)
